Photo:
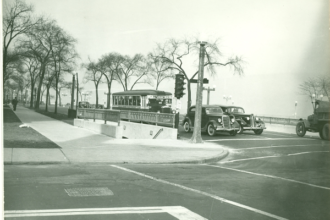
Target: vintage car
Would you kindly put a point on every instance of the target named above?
(317, 122)
(245, 121)
(83, 104)
(213, 120)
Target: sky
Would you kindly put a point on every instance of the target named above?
(283, 43)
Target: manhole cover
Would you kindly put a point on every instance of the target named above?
(89, 191)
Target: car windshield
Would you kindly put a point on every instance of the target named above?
(237, 110)
(213, 110)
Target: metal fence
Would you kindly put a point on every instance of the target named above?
(163, 119)
(99, 114)
(133, 116)
(276, 120)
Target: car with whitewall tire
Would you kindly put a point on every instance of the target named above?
(247, 122)
(213, 120)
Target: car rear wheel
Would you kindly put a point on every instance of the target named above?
(300, 129)
(210, 130)
(186, 126)
(325, 133)
(259, 131)
(240, 131)
(233, 133)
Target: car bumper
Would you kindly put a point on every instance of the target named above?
(226, 129)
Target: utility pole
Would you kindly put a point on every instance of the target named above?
(208, 93)
(77, 96)
(197, 137)
(72, 90)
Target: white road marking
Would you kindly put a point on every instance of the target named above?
(270, 176)
(257, 139)
(253, 148)
(202, 193)
(311, 152)
(253, 158)
(257, 158)
(179, 212)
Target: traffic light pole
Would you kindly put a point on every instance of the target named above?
(197, 137)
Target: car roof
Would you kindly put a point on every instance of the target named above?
(230, 106)
(206, 106)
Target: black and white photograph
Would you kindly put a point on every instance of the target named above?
(165, 110)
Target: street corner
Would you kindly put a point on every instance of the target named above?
(35, 156)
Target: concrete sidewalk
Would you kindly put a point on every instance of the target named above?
(78, 145)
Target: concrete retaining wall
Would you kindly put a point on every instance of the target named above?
(143, 131)
(111, 130)
(127, 129)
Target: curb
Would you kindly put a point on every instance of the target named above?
(198, 161)
(35, 163)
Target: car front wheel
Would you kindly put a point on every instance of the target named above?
(259, 131)
(186, 126)
(240, 131)
(300, 129)
(325, 133)
(210, 130)
(233, 133)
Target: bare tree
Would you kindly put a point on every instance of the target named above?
(133, 69)
(309, 87)
(93, 74)
(109, 65)
(324, 83)
(39, 43)
(160, 71)
(17, 20)
(32, 66)
(173, 52)
(63, 56)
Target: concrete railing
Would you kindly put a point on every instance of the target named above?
(99, 114)
(149, 117)
(276, 120)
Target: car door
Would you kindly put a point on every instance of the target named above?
(205, 118)
(191, 115)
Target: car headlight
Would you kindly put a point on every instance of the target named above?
(233, 120)
(247, 118)
(219, 120)
(257, 119)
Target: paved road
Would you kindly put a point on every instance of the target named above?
(271, 176)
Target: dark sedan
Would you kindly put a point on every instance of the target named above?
(246, 121)
(213, 120)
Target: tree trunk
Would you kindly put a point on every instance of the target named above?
(56, 92)
(43, 70)
(189, 95)
(197, 137)
(47, 98)
(32, 94)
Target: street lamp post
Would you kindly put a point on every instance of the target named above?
(85, 94)
(208, 92)
(227, 98)
(197, 137)
(109, 101)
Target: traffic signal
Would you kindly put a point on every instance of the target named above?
(179, 83)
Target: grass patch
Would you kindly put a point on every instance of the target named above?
(16, 137)
(58, 116)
